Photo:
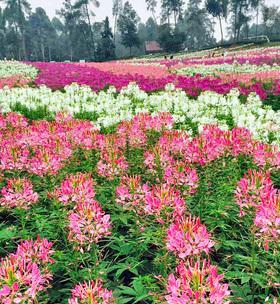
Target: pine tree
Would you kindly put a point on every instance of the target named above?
(127, 25)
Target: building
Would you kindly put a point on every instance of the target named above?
(152, 47)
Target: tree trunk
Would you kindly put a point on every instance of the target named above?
(90, 29)
(221, 28)
(115, 28)
(22, 31)
(50, 53)
(257, 25)
(235, 24)
(43, 50)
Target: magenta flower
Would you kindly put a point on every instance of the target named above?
(75, 189)
(18, 194)
(252, 188)
(182, 177)
(188, 237)
(39, 251)
(112, 163)
(267, 220)
(88, 224)
(131, 193)
(25, 274)
(197, 283)
(164, 203)
(91, 292)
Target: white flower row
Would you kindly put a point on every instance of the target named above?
(109, 108)
(9, 68)
(218, 69)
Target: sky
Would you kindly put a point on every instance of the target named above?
(105, 8)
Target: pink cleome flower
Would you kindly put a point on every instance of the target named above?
(164, 202)
(188, 237)
(182, 177)
(25, 274)
(195, 283)
(252, 188)
(112, 164)
(267, 220)
(131, 193)
(39, 251)
(75, 188)
(91, 292)
(18, 194)
(88, 223)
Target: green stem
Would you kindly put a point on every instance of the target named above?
(253, 268)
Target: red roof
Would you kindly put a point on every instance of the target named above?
(152, 46)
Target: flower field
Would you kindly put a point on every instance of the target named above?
(126, 182)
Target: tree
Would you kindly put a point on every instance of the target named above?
(3, 42)
(41, 31)
(256, 4)
(271, 19)
(106, 48)
(171, 40)
(80, 35)
(117, 8)
(197, 26)
(84, 5)
(15, 13)
(218, 9)
(151, 30)
(151, 7)
(127, 25)
(171, 7)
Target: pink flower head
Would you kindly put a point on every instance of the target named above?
(75, 188)
(13, 156)
(182, 177)
(160, 122)
(91, 292)
(39, 251)
(88, 224)
(197, 283)
(266, 156)
(267, 220)
(251, 188)
(133, 133)
(18, 194)
(112, 164)
(15, 120)
(207, 147)
(174, 141)
(188, 237)
(164, 202)
(131, 193)
(21, 280)
(45, 161)
(157, 160)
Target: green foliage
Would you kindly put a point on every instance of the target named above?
(131, 260)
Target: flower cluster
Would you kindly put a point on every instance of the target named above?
(75, 189)
(131, 193)
(197, 282)
(91, 292)
(256, 193)
(25, 274)
(18, 194)
(88, 224)
(188, 237)
(164, 202)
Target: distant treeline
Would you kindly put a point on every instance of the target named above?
(73, 34)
